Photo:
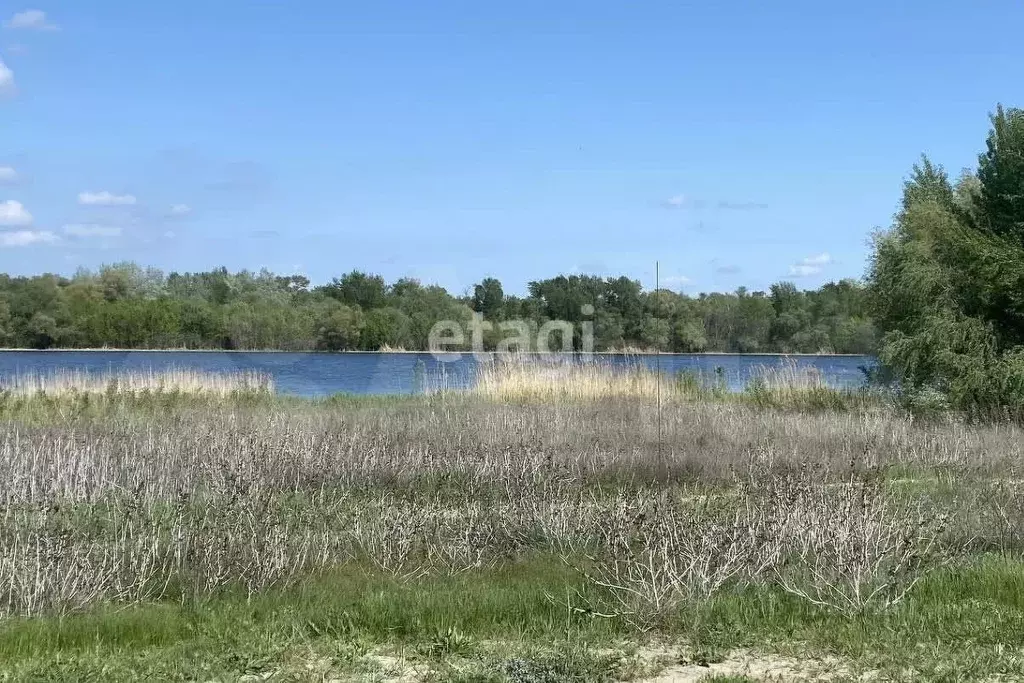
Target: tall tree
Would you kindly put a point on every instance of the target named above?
(358, 289)
(489, 298)
(947, 280)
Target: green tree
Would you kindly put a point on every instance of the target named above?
(855, 335)
(947, 279)
(609, 331)
(358, 289)
(689, 336)
(42, 331)
(489, 298)
(339, 328)
(655, 333)
(755, 315)
(6, 332)
(1001, 177)
(388, 326)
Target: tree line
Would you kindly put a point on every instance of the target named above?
(125, 305)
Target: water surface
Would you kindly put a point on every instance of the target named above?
(321, 374)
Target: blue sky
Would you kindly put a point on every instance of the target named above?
(739, 142)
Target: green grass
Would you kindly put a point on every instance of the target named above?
(506, 603)
(964, 623)
(341, 616)
(960, 623)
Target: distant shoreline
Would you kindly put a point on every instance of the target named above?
(407, 352)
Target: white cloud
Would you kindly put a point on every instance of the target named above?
(180, 210)
(822, 259)
(812, 265)
(30, 19)
(675, 281)
(803, 270)
(6, 78)
(8, 174)
(13, 213)
(682, 201)
(105, 199)
(23, 238)
(91, 230)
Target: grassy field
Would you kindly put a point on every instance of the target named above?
(538, 529)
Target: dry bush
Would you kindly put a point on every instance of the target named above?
(988, 514)
(657, 553)
(847, 545)
(520, 448)
(195, 500)
(408, 538)
(49, 562)
(254, 542)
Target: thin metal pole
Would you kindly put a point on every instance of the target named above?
(657, 350)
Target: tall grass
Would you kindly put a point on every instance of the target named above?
(805, 388)
(555, 380)
(175, 380)
(539, 381)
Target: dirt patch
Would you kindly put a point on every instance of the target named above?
(757, 666)
(391, 667)
(395, 669)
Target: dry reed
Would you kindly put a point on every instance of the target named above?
(175, 380)
(531, 380)
(554, 380)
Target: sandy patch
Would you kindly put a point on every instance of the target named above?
(757, 666)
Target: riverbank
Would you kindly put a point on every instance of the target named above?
(439, 353)
(109, 390)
